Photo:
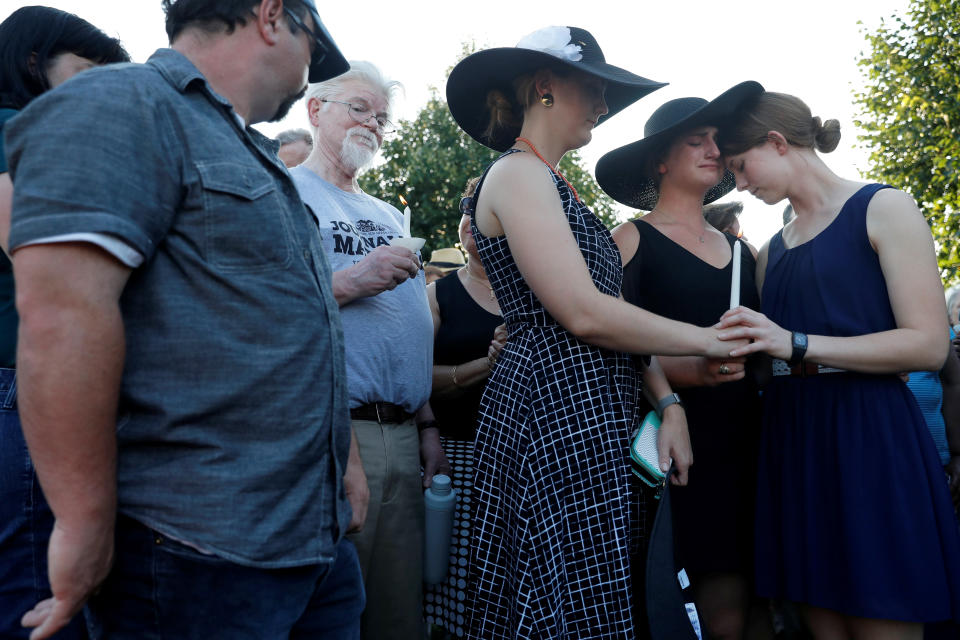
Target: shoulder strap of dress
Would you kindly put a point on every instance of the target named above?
(635, 261)
(864, 195)
(775, 251)
(872, 188)
(446, 289)
(468, 204)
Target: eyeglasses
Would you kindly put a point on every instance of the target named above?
(361, 114)
(319, 51)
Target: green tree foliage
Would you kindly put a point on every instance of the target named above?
(429, 161)
(910, 111)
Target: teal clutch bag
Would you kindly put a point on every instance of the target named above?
(644, 459)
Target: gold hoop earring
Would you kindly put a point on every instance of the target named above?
(547, 100)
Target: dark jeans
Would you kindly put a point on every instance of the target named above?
(25, 525)
(161, 589)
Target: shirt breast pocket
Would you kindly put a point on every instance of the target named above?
(245, 229)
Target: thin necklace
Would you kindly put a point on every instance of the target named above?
(671, 219)
(475, 279)
(542, 159)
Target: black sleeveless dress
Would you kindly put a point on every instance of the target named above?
(465, 332)
(713, 515)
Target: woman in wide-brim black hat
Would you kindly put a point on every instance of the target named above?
(551, 553)
(679, 266)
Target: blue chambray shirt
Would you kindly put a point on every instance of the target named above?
(233, 428)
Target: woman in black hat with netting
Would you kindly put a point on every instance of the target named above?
(552, 531)
(677, 265)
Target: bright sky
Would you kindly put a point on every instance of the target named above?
(807, 48)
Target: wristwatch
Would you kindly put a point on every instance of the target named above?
(666, 401)
(798, 341)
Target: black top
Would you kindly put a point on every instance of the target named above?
(713, 514)
(666, 279)
(466, 330)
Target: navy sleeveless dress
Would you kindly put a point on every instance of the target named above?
(853, 512)
(553, 497)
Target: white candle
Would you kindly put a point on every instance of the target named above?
(735, 280)
(406, 222)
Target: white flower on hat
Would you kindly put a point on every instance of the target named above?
(552, 40)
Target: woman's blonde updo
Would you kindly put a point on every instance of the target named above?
(503, 114)
(779, 112)
(508, 114)
(826, 135)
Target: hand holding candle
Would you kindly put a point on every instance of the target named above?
(735, 279)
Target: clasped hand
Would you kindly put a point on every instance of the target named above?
(755, 332)
(496, 345)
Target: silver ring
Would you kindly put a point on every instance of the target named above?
(724, 369)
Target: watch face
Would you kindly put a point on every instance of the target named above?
(800, 340)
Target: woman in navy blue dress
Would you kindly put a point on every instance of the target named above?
(854, 519)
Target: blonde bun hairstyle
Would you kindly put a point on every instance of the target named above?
(787, 114)
(507, 114)
(503, 114)
(826, 136)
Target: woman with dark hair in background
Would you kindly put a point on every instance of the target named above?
(854, 518)
(724, 216)
(40, 48)
(677, 265)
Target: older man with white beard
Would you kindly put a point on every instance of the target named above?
(388, 334)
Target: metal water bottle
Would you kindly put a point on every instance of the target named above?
(439, 501)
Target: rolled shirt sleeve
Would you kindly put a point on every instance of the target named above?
(66, 184)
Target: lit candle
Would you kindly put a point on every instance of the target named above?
(735, 280)
(406, 218)
(405, 239)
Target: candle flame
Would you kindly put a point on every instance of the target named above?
(739, 233)
(403, 201)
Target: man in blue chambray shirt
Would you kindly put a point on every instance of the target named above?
(181, 355)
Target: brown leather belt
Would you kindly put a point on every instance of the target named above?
(804, 369)
(382, 412)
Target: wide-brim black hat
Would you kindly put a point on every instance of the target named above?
(621, 173)
(476, 75)
(333, 63)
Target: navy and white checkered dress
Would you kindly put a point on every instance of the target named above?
(552, 529)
